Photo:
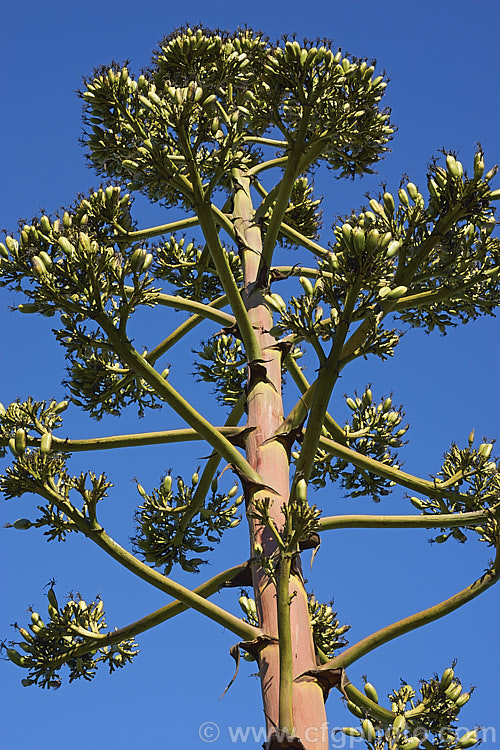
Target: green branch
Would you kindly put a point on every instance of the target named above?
(147, 372)
(173, 226)
(373, 641)
(361, 700)
(285, 190)
(299, 270)
(126, 441)
(223, 220)
(306, 242)
(426, 521)
(184, 328)
(270, 164)
(183, 594)
(293, 234)
(228, 283)
(299, 412)
(189, 305)
(442, 293)
(198, 499)
(285, 645)
(207, 218)
(443, 224)
(326, 380)
(411, 482)
(410, 301)
(265, 141)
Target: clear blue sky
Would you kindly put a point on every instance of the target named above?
(442, 59)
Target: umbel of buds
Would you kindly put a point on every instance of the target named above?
(173, 524)
(62, 641)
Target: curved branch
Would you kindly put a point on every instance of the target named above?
(190, 305)
(361, 700)
(262, 166)
(228, 282)
(176, 590)
(286, 183)
(325, 382)
(265, 141)
(181, 331)
(443, 224)
(173, 226)
(223, 220)
(198, 499)
(299, 412)
(306, 242)
(384, 635)
(209, 215)
(299, 270)
(442, 293)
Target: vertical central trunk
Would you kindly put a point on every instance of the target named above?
(269, 458)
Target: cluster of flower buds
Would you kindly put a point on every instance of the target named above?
(27, 422)
(98, 381)
(303, 212)
(346, 95)
(305, 315)
(249, 608)
(413, 722)
(189, 268)
(167, 96)
(72, 637)
(222, 87)
(476, 477)
(328, 634)
(46, 245)
(39, 470)
(49, 262)
(300, 521)
(374, 425)
(173, 525)
(226, 369)
(449, 185)
(438, 707)
(102, 212)
(363, 243)
(375, 431)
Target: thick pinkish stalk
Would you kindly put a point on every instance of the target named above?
(269, 459)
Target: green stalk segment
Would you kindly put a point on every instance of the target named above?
(285, 650)
(425, 521)
(131, 441)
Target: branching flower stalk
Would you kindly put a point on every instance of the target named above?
(194, 132)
